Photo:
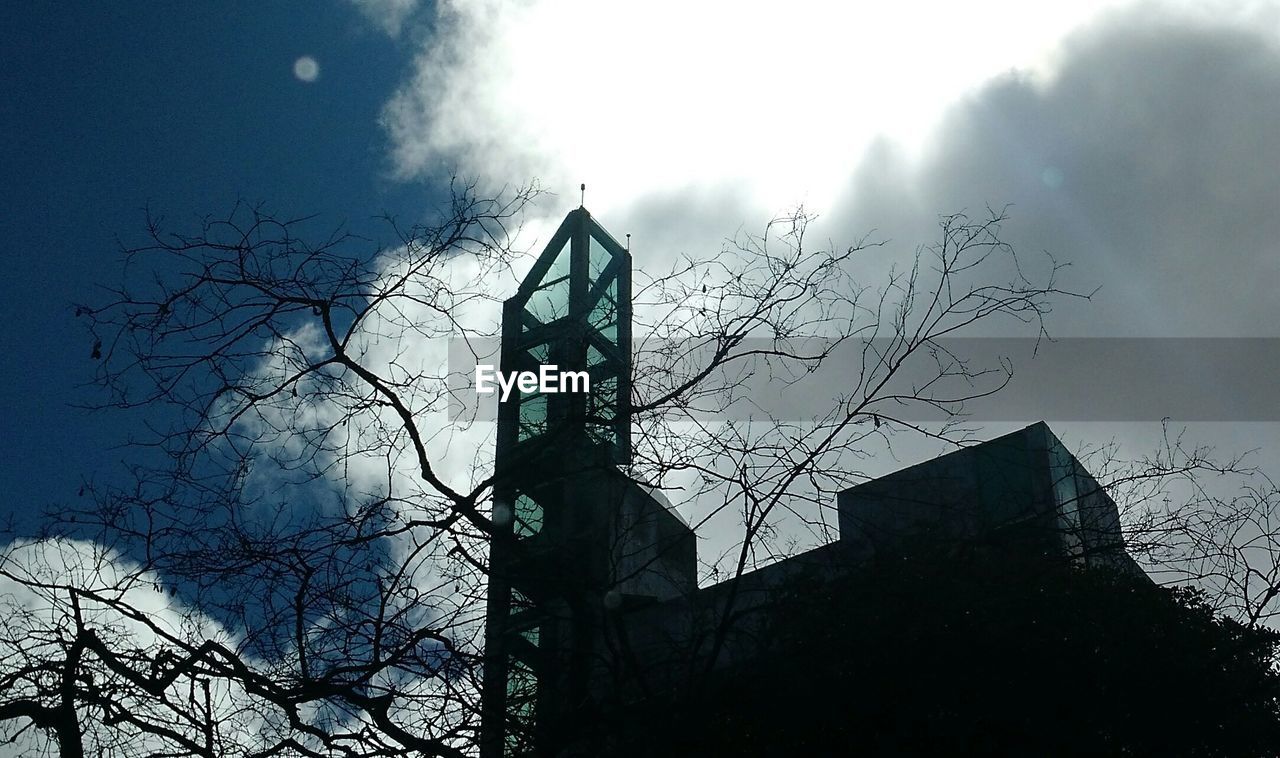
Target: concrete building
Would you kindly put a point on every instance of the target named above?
(593, 598)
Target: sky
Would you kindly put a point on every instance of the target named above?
(110, 109)
(1135, 140)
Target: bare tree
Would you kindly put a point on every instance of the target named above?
(773, 312)
(1199, 518)
(302, 572)
(348, 602)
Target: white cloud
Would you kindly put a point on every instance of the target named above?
(1133, 139)
(388, 15)
(1143, 159)
(642, 98)
(721, 113)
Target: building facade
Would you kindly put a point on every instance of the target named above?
(593, 602)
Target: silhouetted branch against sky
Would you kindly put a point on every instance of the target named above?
(291, 560)
(312, 497)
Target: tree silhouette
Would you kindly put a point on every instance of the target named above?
(297, 564)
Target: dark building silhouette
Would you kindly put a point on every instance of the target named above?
(593, 600)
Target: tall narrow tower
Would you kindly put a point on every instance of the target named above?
(559, 495)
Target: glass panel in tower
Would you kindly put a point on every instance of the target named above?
(532, 415)
(522, 695)
(594, 356)
(540, 353)
(528, 516)
(602, 404)
(550, 302)
(604, 314)
(599, 259)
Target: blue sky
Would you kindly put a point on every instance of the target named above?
(183, 108)
(1135, 140)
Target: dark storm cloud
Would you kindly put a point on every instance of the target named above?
(1149, 160)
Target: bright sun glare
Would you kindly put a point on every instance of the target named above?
(662, 95)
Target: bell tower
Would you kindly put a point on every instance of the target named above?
(573, 311)
(576, 537)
